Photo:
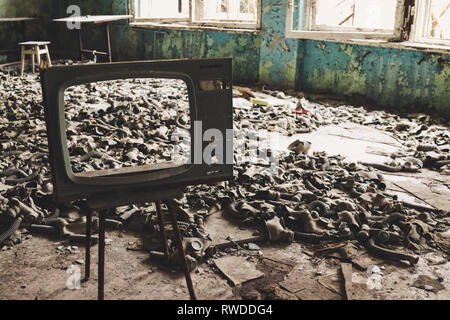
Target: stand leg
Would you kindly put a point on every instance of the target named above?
(80, 41)
(182, 253)
(87, 267)
(101, 255)
(162, 229)
(22, 64)
(108, 39)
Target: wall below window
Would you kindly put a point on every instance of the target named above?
(387, 77)
(407, 79)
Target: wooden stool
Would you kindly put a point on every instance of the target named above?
(35, 48)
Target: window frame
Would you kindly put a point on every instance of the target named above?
(341, 33)
(421, 24)
(195, 8)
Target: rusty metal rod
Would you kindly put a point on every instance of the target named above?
(224, 245)
(94, 52)
(182, 253)
(108, 40)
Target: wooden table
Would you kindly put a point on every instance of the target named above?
(96, 20)
(18, 19)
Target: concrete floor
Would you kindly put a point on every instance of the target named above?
(35, 269)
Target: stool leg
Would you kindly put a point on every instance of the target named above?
(38, 56)
(32, 62)
(162, 229)
(87, 267)
(101, 255)
(48, 56)
(182, 253)
(22, 67)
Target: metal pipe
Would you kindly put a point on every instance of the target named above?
(389, 254)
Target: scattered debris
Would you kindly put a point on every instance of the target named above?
(429, 284)
(253, 246)
(246, 271)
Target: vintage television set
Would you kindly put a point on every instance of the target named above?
(209, 87)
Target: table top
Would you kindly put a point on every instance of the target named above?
(94, 19)
(18, 19)
(34, 43)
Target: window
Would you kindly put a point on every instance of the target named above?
(345, 19)
(432, 24)
(175, 10)
(224, 13)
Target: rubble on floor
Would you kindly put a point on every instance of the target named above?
(308, 197)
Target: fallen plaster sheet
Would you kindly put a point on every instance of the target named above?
(437, 196)
(405, 196)
(305, 287)
(238, 269)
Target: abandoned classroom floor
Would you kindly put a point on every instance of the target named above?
(37, 268)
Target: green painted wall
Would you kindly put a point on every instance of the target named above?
(408, 79)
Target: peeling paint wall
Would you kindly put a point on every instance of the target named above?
(406, 79)
(386, 76)
(278, 55)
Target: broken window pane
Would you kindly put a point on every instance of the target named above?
(439, 22)
(160, 9)
(228, 10)
(364, 14)
(248, 6)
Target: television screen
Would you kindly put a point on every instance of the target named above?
(138, 125)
